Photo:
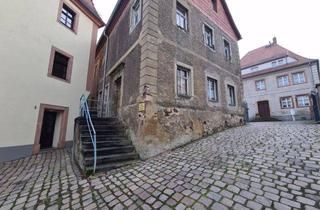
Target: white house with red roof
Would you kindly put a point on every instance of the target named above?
(278, 83)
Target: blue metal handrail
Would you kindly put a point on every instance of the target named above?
(84, 107)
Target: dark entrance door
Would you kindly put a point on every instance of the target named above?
(118, 95)
(264, 109)
(47, 130)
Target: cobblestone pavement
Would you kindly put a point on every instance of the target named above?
(259, 166)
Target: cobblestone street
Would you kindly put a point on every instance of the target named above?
(259, 166)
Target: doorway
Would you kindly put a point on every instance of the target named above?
(264, 109)
(48, 129)
(117, 99)
(51, 127)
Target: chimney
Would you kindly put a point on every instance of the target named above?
(274, 40)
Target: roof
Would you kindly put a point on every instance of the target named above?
(268, 53)
(121, 5)
(230, 18)
(90, 10)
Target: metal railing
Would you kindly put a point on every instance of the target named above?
(85, 112)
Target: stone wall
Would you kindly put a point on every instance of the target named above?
(156, 118)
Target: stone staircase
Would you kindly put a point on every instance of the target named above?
(114, 149)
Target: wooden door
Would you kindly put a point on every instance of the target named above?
(47, 130)
(264, 109)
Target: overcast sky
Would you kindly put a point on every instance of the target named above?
(295, 23)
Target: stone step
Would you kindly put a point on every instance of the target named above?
(108, 159)
(88, 152)
(105, 132)
(87, 138)
(107, 143)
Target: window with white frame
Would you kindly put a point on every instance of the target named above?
(274, 63)
(286, 102)
(283, 81)
(298, 78)
(227, 50)
(67, 17)
(182, 17)
(183, 81)
(232, 96)
(212, 89)
(303, 101)
(135, 14)
(260, 85)
(208, 36)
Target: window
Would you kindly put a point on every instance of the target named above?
(303, 101)
(227, 50)
(274, 63)
(208, 36)
(298, 78)
(135, 14)
(67, 17)
(286, 102)
(212, 89)
(60, 65)
(283, 81)
(182, 17)
(280, 62)
(260, 85)
(232, 96)
(253, 69)
(215, 5)
(183, 81)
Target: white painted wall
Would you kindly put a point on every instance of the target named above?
(28, 29)
(273, 93)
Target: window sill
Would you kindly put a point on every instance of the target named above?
(66, 27)
(60, 79)
(213, 101)
(184, 96)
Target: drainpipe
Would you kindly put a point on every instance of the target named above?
(104, 72)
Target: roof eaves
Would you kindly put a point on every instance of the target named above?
(230, 18)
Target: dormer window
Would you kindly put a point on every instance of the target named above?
(215, 5)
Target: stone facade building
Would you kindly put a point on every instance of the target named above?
(47, 62)
(278, 83)
(172, 71)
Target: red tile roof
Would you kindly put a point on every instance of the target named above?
(268, 53)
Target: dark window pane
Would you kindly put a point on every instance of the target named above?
(67, 16)
(60, 65)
